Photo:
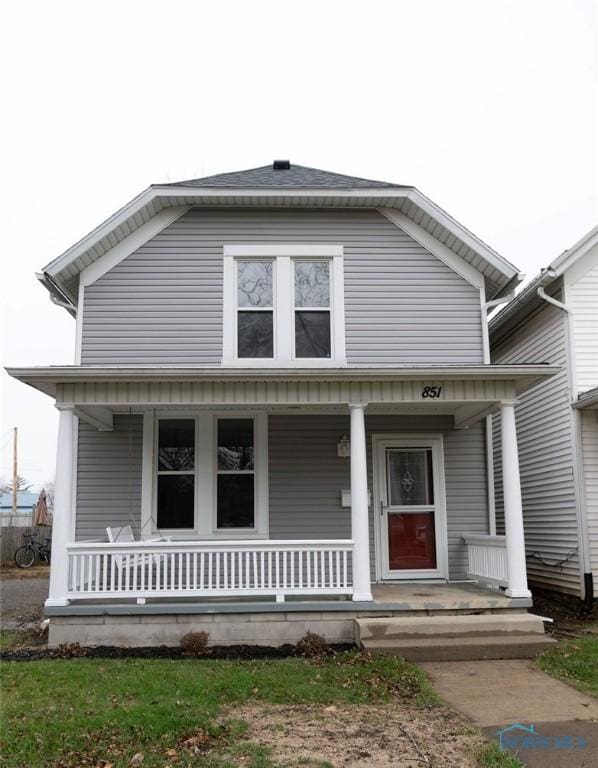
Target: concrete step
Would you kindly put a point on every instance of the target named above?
(462, 648)
(460, 626)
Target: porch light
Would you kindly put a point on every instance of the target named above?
(343, 447)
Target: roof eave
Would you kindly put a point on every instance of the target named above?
(157, 197)
(587, 400)
(517, 309)
(577, 251)
(46, 378)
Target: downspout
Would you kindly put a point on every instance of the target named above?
(588, 580)
(487, 305)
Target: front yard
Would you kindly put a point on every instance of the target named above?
(343, 710)
(575, 658)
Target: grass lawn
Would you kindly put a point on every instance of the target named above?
(13, 638)
(111, 713)
(575, 662)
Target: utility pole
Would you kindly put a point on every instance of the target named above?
(14, 474)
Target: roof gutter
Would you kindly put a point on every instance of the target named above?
(582, 518)
(57, 295)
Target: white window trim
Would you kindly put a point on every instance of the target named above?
(205, 476)
(284, 306)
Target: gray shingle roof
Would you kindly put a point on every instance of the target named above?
(296, 177)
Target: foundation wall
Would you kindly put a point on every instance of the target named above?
(264, 628)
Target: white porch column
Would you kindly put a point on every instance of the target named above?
(516, 567)
(360, 531)
(61, 524)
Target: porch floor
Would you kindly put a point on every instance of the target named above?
(412, 597)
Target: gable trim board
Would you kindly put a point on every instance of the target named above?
(130, 244)
(114, 256)
(434, 246)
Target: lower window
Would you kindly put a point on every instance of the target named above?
(205, 479)
(235, 495)
(176, 473)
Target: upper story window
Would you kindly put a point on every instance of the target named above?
(283, 305)
(255, 309)
(312, 309)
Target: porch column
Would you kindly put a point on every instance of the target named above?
(516, 567)
(61, 524)
(360, 531)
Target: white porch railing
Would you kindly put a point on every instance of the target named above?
(487, 559)
(209, 569)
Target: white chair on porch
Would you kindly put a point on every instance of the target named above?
(124, 534)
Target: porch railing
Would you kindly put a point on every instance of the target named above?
(487, 559)
(209, 569)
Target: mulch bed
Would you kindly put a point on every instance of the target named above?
(570, 617)
(232, 652)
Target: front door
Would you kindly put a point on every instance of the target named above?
(410, 507)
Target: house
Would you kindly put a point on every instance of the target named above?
(279, 409)
(555, 319)
(26, 502)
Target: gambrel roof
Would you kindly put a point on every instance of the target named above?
(290, 186)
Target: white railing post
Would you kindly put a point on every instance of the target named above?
(61, 524)
(513, 508)
(360, 531)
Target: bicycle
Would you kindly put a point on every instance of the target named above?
(33, 550)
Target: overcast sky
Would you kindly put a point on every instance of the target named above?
(488, 107)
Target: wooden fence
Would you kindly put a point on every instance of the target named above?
(11, 537)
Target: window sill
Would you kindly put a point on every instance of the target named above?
(253, 362)
(238, 534)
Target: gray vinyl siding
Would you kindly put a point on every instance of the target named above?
(306, 478)
(163, 303)
(546, 456)
(109, 478)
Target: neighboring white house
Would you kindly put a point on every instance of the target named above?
(555, 319)
(278, 410)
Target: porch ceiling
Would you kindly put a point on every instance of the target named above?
(466, 392)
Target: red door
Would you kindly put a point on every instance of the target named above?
(410, 509)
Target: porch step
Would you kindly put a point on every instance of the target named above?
(463, 648)
(454, 638)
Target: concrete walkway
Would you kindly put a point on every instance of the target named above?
(497, 694)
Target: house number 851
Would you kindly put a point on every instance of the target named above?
(431, 392)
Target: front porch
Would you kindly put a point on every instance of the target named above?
(225, 573)
(340, 509)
